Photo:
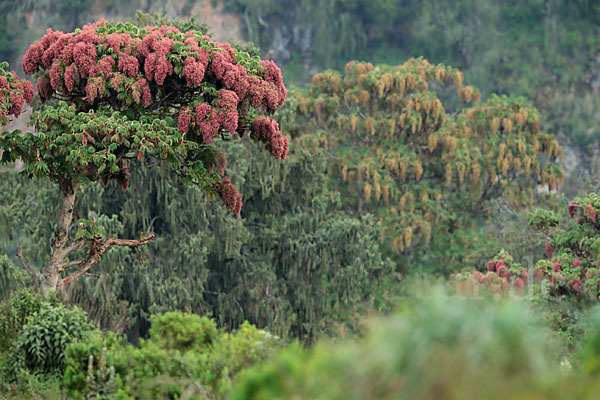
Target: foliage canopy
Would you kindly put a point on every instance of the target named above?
(425, 162)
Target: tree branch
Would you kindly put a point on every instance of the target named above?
(66, 265)
(95, 256)
(34, 277)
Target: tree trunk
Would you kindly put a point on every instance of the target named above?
(62, 244)
(50, 279)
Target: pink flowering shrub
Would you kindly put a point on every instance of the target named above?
(149, 73)
(572, 263)
(502, 275)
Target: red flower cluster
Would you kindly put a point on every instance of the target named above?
(228, 102)
(13, 94)
(84, 55)
(501, 274)
(230, 195)
(566, 275)
(185, 116)
(208, 122)
(267, 130)
(193, 71)
(571, 208)
(272, 74)
(129, 65)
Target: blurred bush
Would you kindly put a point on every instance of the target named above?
(437, 347)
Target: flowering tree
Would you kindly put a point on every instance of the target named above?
(571, 268)
(572, 263)
(426, 162)
(125, 93)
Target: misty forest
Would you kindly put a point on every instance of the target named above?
(309, 199)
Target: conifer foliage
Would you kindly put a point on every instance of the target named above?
(126, 93)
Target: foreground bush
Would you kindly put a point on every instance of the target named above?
(185, 357)
(34, 334)
(439, 348)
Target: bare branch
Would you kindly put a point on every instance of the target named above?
(69, 264)
(95, 256)
(34, 277)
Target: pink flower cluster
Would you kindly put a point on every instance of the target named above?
(228, 102)
(71, 77)
(272, 74)
(267, 130)
(207, 121)
(13, 94)
(569, 276)
(268, 93)
(230, 195)
(572, 207)
(185, 116)
(193, 71)
(499, 277)
(72, 59)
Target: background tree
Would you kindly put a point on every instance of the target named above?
(130, 92)
(571, 266)
(401, 146)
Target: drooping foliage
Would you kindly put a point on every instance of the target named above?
(295, 263)
(402, 147)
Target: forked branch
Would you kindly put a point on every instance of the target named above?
(96, 252)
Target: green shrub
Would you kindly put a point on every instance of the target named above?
(182, 331)
(185, 356)
(41, 345)
(27, 385)
(589, 353)
(89, 372)
(438, 348)
(14, 315)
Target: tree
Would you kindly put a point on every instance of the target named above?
(401, 146)
(571, 268)
(125, 93)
